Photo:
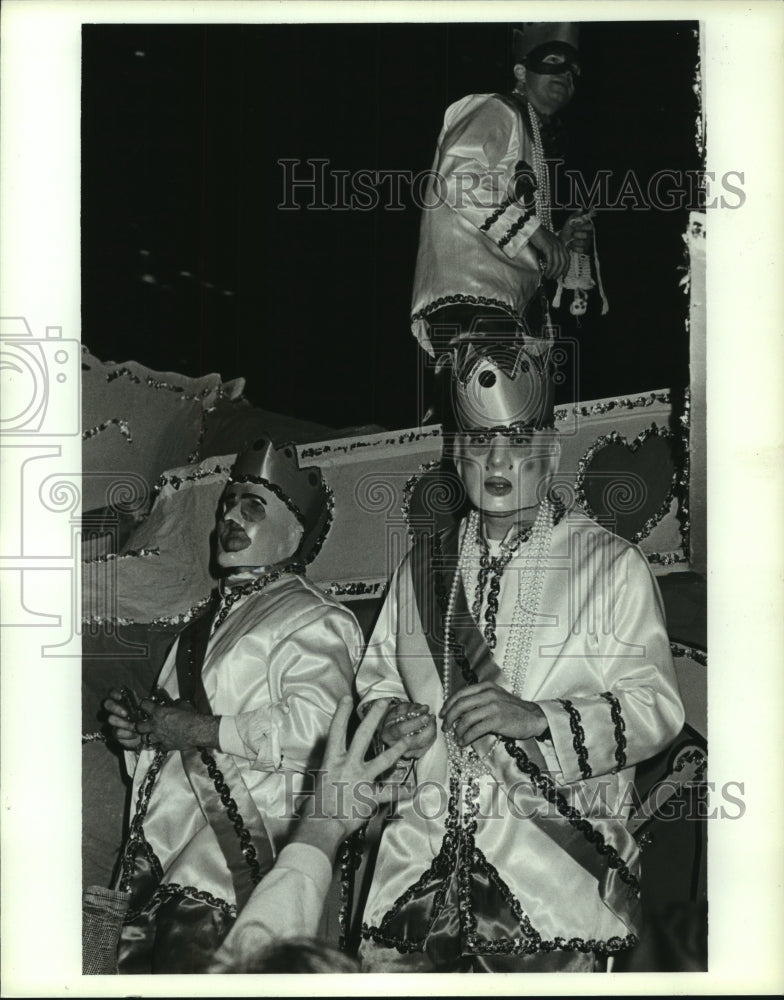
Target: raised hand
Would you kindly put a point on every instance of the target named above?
(347, 792)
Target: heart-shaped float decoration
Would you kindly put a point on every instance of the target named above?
(628, 486)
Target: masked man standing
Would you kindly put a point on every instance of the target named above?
(242, 708)
(486, 236)
(527, 651)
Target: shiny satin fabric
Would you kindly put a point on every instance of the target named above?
(426, 916)
(244, 876)
(545, 881)
(427, 559)
(377, 959)
(247, 859)
(619, 895)
(281, 660)
(176, 934)
(153, 938)
(472, 241)
(181, 849)
(279, 666)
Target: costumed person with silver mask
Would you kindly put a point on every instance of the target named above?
(486, 235)
(241, 711)
(527, 649)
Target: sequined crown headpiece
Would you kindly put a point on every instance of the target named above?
(302, 490)
(504, 387)
(531, 34)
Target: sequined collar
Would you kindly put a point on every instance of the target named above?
(230, 595)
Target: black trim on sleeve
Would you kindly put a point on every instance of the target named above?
(620, 729)
(578, 738)
(512, 231)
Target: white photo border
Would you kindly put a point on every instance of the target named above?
(743, 80)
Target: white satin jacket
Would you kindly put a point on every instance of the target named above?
(602, 672)
(274, 671)
(474, 233)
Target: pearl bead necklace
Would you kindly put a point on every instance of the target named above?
(542, 193)
(464, 762)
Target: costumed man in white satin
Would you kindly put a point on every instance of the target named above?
(486, 235)
(242, 708)
(528, 650)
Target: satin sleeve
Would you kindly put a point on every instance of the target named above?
(378, 675)
(310, 668)
(229, 739)
(479, 167)
(286, 903)
(639, 711)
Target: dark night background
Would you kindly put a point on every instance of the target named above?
(188, 264)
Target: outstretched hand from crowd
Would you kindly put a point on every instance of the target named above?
(347, 792)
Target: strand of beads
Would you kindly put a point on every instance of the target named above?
(518, 648)
(230, 596)
(496, 567)
(466, 557)
(541, 200)
(464, 761)
(529, 594)
(542, 193)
